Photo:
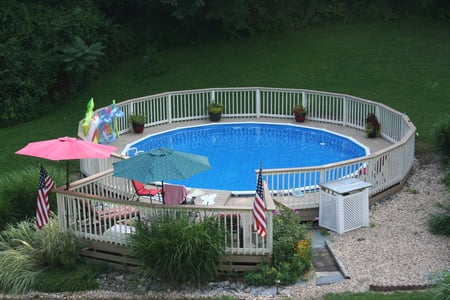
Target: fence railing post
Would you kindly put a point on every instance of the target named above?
(304, 100)
(258, 103)
(344, 112)
(169, 108)
(213, 96)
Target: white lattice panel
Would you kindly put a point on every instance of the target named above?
(343, 212)
(355, 215)
(327, 211)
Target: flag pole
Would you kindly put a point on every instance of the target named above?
(259, 207)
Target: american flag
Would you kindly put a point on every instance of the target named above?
(259, 209)
(43, 207)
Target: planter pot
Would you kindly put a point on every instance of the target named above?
(138, 128)
(215, 117)
(300, 118)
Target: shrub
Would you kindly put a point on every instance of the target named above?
(441, 136)
(265, 276)
(78, 56)
(18, 193)
(178, 249)
(442, 290)
(292, 251)
(25, 252)
(290, 237)
(439, 223)
(153, 62)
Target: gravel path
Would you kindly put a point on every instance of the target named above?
(396, 249)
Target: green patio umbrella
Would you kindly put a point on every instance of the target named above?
(161, 164)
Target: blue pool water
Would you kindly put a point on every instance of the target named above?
(235, 150)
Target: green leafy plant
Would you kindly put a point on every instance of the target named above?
(178, 249)
(441, 136)
(265, 276)
(373, 127)
(215, 107)
(299, 109)
(442, 289)
(324, 231)
(413, 191)
(78, 56)
(292, 251)
(18, 193)
(31, 80)
(138, 119)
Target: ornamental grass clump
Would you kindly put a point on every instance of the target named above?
(27, 252)
(292, 251)
(179, 248)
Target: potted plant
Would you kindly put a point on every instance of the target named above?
(138, 122)
(299, 113)
(373, 127)
(215, 111)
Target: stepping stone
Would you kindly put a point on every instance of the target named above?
(328, 277)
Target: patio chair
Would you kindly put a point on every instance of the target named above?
(174, 194)
(142, 191)
(233, 228)
(106, 217)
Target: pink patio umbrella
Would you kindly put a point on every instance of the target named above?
(66, 148)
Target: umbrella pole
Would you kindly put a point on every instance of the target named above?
(67, 175)
(162, 191)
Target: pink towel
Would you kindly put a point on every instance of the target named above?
(174, 194)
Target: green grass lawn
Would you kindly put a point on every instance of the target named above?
(405, 65)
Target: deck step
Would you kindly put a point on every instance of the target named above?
(241, 263)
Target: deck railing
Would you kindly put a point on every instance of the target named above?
(296, 187)
(98, 208)
(85, 206)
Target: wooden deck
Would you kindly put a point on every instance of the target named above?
(297, 188)
(373, 144)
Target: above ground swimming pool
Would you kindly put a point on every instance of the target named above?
(235, 150)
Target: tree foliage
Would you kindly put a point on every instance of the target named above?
(49, 48)
(32, 38)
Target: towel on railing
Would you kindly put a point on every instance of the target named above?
(174, 194)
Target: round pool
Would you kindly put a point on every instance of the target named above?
(235, 150)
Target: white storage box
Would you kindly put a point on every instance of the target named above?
(344, 205)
